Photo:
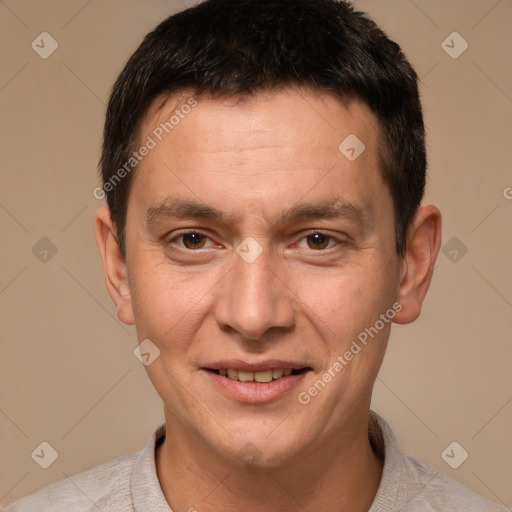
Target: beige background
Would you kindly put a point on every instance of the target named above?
(68, 375)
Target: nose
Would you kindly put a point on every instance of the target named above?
(253, 299)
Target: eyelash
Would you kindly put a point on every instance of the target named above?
(197, 232)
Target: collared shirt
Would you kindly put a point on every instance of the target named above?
(130, 484)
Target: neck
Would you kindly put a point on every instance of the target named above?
(342, 474)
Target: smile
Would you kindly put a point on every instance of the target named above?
(257, 376)
(255, 384)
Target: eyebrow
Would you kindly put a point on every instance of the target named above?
(185, 208)
(178, 208)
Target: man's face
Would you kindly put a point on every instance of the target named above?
(255, 244)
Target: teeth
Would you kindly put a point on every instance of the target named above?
(245, 376)
(277, 373)
(264, 376)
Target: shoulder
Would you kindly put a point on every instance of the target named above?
(105, 487)
(410, 485)
(434, 491)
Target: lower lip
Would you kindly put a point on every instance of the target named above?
(255, 392)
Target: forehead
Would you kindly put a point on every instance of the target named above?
(309, 114)
(284, 141)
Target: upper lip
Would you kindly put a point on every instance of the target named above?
(259, 366)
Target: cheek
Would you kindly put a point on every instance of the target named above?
(344, 301)
(169, 309)
(167, 304)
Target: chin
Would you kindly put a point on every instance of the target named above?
(258, 450)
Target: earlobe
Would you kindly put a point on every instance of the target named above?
(114, 266)
(423, 246)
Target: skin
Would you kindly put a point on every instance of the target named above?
(254, 160)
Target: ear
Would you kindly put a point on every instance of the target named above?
(423, 245)
(116, 275)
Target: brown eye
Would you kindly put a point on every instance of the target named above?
(193, 240)
(318, 241)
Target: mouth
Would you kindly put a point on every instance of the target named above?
(255, 383)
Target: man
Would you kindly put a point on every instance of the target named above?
(264, 165)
